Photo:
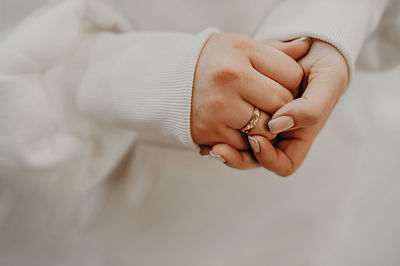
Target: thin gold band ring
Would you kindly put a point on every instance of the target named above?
(253, 121)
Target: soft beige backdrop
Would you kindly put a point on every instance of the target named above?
(360, 145)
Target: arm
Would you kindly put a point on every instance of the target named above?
(343, 24)
(75, 85)
(131, 80)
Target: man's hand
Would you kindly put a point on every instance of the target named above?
(299, 121)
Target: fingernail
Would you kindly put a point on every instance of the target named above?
(254, 144)
(203, 151)
(304, 38)
(280, 124)
(217, 157)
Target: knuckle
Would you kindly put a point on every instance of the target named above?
(215, 105)
(241, 42)
(220, 132)
(286, 96)
(297, 77)
(312, 117)
(286, 173)
(283, 96)
(282, 174)
(224, 74)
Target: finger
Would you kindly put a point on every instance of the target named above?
(235, 138)
(261, 128)
(264, 92)
(234, 120)
(268, 156)
(283, 159)
(204, 150)
(238, 140)
(276, 65)
(235, 111)
(231, 136)
(234, 158)
(296, 49)
(312, 108)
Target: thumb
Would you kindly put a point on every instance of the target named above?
(296, 49)
(311, 109)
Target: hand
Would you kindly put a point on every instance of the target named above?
(299, 121)
(234, 74)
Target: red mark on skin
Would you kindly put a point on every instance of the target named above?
(225, 76)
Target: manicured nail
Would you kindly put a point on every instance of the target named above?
(280, 124)
(217, 157)
(254, 144)
(203, 151)
(304, 38)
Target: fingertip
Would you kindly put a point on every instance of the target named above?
(268, 155)
(280, 124)
(204, 150)
(217, 157)
(235, 158)
(296, 114)
(305, 39)
(264, 148)
(298, 48)
(223, 150)
(255, 145)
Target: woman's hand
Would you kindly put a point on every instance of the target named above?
(299, 121)
(234, 74)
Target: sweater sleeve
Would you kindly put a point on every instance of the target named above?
(139, 81)
(344, 24)
(78, 85)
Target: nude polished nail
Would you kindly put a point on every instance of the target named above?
(280, 124)
(254, 144)
(217, 157)
(308, 39)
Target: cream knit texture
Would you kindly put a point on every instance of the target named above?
(335, 22)
(145, 83)
(77, 187)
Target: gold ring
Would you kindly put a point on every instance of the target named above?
(253, 121)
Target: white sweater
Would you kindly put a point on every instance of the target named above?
(90, 109)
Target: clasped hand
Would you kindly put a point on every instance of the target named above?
(295, 84)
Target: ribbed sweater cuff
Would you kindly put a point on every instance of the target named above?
(144, 82)
(344, 24)
(175, 89)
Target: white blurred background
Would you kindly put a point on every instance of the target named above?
(372, 106)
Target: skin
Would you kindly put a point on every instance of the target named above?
(326, 78)
(235, 73)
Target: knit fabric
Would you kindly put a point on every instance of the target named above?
(79, 87)
(335, 22)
